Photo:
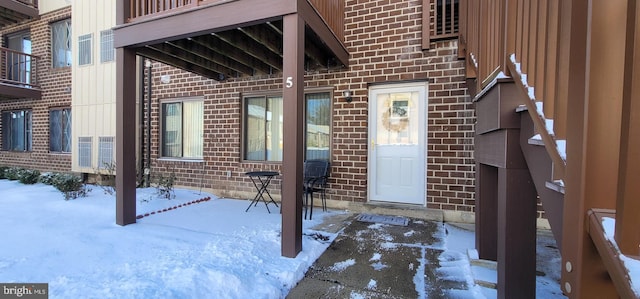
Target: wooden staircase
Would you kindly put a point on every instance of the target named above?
(576, 68)
(540, 166)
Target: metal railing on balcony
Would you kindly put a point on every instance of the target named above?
(18, 69)
(578, 65)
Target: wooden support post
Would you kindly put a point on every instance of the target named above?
(486, 211)
(125, 136)
(516, 234)
(292, 164)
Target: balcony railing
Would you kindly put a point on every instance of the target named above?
(18, 69)
(332, 11)
(443, 21)
(147, 8)
(578, 65)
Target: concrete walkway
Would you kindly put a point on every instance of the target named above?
(379, 260)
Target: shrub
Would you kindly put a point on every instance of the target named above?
(70, 185)
(164, 186)
(27, 176)
(13, 173)
(2, 170)
(48, 178)
(107, 178)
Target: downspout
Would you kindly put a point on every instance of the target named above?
(147, 170)
(141, 158)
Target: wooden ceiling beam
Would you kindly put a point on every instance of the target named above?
(215, 44)
(312, 50)
(189, 45)
(252, 48)
(315, 53)
(162, 57)
(11, 17)
(265, 36)
(178, 53)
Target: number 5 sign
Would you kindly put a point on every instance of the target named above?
(288, 83)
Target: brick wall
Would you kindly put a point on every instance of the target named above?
(56, 86)
(384, 40)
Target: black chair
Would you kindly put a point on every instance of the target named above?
(316, 174)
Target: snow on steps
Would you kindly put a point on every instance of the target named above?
(485, 273)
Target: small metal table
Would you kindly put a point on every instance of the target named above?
(261, 180)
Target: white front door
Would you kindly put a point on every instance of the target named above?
(397, 146)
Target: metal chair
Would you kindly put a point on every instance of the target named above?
(316, 175)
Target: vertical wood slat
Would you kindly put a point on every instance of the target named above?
(443, 13)
(486, 41)
(452, 21)
(519, 33)
(628, 206)
(531, 47)
(524, 59)
(495, 33)
(551, 62)
(482, 41)
(562, 79)
(332, 11)
(462, 27)
(426, 24)
(510, 13)
(541, 52)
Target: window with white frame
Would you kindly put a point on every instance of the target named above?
(61, 43)
(84, 49)
(17, 130)
(263, 122)
(183, 128)
(60, 130)
(107, 51)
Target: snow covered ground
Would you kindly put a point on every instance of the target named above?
(208, 249)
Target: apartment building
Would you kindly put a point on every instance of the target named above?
(215, 116)
(225, 115)
(35, 84)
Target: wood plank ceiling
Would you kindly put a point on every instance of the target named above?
(252, 50)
